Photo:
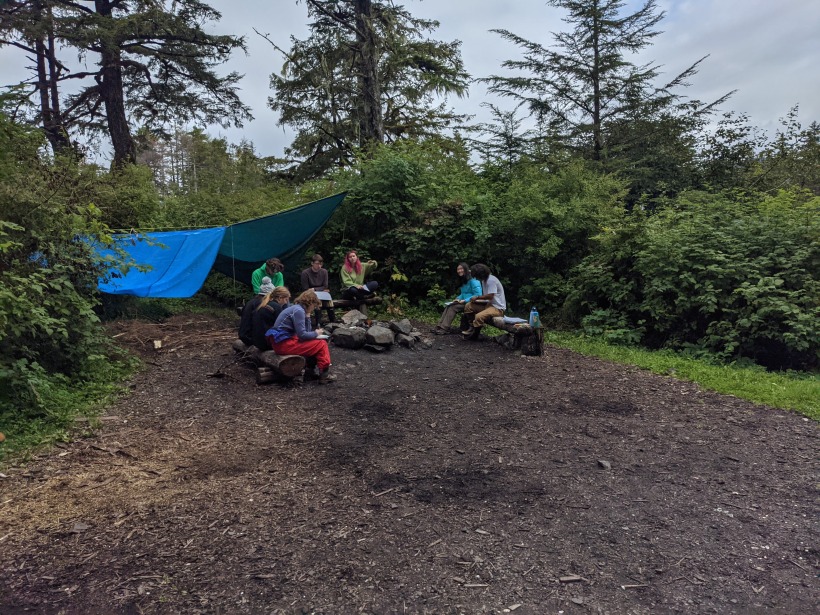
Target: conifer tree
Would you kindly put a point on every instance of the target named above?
(367, 74)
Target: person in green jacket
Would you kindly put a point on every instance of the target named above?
(353, 273)
(272, 268)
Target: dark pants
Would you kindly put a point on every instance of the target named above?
(331, 313)
(353, 294)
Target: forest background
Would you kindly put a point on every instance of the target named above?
(597, 192)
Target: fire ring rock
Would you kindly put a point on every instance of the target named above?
(380, 336)
(349, 337)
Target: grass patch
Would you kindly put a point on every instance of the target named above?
(798, 391)
(63, 402)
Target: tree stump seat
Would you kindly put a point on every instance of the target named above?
(519, 336)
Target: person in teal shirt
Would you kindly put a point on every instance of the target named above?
(272, 268)
(470, 287)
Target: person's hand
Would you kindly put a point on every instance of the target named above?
(371, 262)
(320, 331)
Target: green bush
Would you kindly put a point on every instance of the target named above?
(415, 206)
(50, 339)
(542, 225)
(736, 278)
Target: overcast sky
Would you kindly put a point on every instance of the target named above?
(767, 50)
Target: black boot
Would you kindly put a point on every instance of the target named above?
(325, 377)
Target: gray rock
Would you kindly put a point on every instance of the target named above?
(603, 463)
(408, 341)
(380, 335)
(402, 326)
(349, 337)
(353, 317)
(375, 348)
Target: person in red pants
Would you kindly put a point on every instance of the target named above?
(293, 333)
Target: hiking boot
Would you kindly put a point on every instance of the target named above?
(440, 331)
(325, 377)
(468, 332)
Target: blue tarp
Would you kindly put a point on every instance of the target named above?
(179, 260)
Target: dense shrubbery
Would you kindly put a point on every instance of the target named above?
(413, 207)
(50, 339)
(732, 277)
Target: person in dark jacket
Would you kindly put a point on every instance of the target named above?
(265, 315)
(246, 320)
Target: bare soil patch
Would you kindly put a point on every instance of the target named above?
(459, 479)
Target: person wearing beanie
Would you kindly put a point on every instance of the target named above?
(272, 268)
(267, 286)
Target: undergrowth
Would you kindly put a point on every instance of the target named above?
(791, 390)
(68, 408)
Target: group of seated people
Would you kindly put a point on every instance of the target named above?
(270, 321)
(481, 298)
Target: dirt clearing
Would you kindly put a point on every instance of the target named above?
(458, 479)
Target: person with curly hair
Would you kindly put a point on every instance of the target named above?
(293, 334)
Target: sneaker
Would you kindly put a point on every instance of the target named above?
(469, 332)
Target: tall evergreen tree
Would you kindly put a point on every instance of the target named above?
(366, 74)
(153, 64)
(585, 86)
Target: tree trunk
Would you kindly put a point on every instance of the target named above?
(371, 124)
(597, 138)
(112, 93)
(47, 75)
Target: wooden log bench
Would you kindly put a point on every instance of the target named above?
(520, 336)
(354, 304)
(269, 365)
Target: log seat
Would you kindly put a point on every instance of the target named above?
(269, 365)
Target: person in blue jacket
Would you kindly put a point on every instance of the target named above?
(470, 287)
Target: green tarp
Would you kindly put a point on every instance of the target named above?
(179, 261)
